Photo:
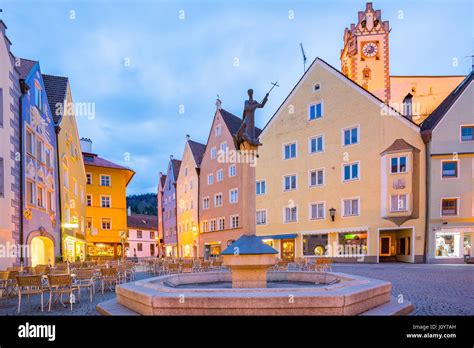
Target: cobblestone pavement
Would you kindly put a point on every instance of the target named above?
(9, 306)
(433, 289)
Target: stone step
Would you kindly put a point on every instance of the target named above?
(391, 308)
(111, 307)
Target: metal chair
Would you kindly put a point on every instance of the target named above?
(85, 278)
(109, 277)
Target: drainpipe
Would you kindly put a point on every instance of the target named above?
(198, 170)
(57, 129)
(176, 216)
(23, 89)
(427, 140)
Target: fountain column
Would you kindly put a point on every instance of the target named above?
(248, 258)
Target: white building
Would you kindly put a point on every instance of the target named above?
(10, 212)
(142, 239)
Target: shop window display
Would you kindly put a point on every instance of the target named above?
(448, 244)
(352, 244)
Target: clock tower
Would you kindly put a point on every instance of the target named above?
(364, 58)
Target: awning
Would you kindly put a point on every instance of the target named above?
(280, 236)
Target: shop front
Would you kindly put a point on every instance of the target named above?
(212, 250)
(349, 245)
(105, 251)
(452, 245)
(73, 249)
(285, 244)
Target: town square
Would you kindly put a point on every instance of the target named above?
(236, 159)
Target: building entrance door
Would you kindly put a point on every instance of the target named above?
(288, 250)
(385, 242)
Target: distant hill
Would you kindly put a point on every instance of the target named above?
(144, 203)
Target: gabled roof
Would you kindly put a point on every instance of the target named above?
(233, 122)
(437, 115)
(197, 149)
(176, 165)
(399, 145)
(25, 67)
(56, 89)
(339, 74)
(163, 180)
(91, 159)
(141, 221)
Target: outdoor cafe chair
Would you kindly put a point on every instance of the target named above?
(173, 268)
(60, 284)
(30, 285)
(3, 282)
(12, 283)
(85, 278)
(205, 266)
(187, 268)
(109, 277)
(217, 265)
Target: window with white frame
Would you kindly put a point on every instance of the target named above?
(213, 153)
(106, 223)
(30, 192)
(350, 171)
(223, 148)
(50, 201)
(212, 225)
(30, 142)
(233, 196)
(316, 177)
(218, 130)
(221, 223)
(449, 206)
(105, 201)
(220, 175)
(205, 203)
(291, 214)
(210, 179)
(289, 151)
(351, 207)
(289, 182)
(40, 150)
(351, 136)
(398, 203)
(315, 111)
(234, 219)
(232, 170)
(89, 200)
(398, 164)
(317, 211)
(105, 180)
(316, 144)
(260, 187)
(40, 197)
(261, 217)
(218, 200)
(204, 226)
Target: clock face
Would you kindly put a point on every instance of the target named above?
(370, 49)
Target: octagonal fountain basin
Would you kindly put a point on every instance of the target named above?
(287, 293)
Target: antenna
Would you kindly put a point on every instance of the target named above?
(304, 58)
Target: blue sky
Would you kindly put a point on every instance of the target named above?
(140, 61)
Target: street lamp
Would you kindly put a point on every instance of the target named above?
(332, 213)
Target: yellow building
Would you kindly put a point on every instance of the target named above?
(72, 175)
(340, 174)
(187, 192)
(365, 59)
(106, 191)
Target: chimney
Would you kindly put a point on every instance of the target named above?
(86, 145)
(129, 211)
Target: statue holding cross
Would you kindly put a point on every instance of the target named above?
(246, 132)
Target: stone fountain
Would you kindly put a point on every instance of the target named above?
(249, 287)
